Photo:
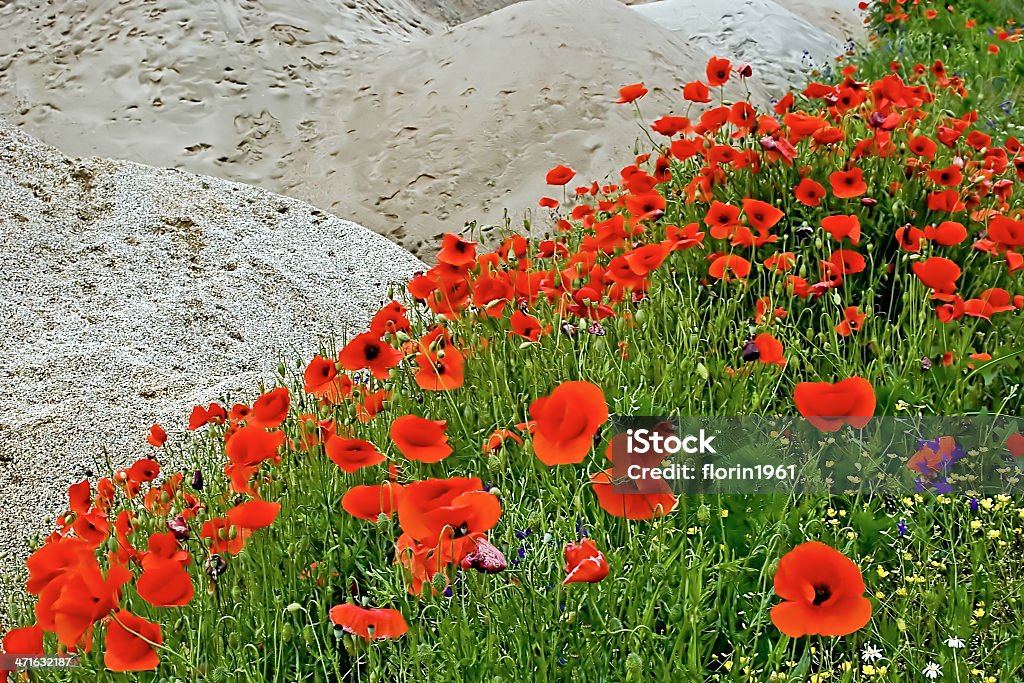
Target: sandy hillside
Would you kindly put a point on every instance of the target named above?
(131, 293)
(760, 33)
(372, 109)
(458, 126)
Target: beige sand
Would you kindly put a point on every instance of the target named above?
(371, 108)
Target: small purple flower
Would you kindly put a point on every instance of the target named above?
(974, 504)
(902, 528)
(596, 329)
(580, 529)
(521, 535)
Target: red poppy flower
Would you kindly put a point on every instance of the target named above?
(165, 583)
(126, 650)
(909, 238)
(560, 175)
(947, 233)
(948, 177)
(367, 350)
(1015, 444)
(202, 416)
(809, 192)
(157, 437)
(992, 301)
(626, 499)
(938, 273)
(853, 321)
(829, 406)
(256, 514)
(369, 622)
(780, 262)
(456, 251)
(729, 265)
(948, 201)
(370, 502)
(252, 445)
(722, 219)
(352, 455)
(717, 71)
(442, 371)
(823, 592)
(270, 409)
(845, 262)
(420, 439)
(224, 538)
(769, 349)
(923, 147)
(841, 227)
(696, 92)
(631, 93)
(390, 319)
(761, 215)
(85, 596)
(846, 184)
(319, 375)
(566, 421)
(435, 510)
(143, 470)
(671, 125)
(22, 641)
(527, 327)
(584, 563)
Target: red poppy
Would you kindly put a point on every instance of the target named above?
(143, 470)
(938, 273)
(761, 215)
(853, 321)
(992, 301)
(84, 597)
(390, 319)
(584, 563)
(441, 371)
(369, 622)
(847, 184)
(352, 455)
(129, 643)
(671, 125)
(319, 375)
(420, 439)
(841, 227)
(1015, 444)
(527, 327)
(631, 93)
(769, 349)
(809, 192)
(270, 409)
(829, 406)
(947, 233)
(157, 437)
(256, 514)
(624, 498)
(456, 251)
(165, 583)
(370, 502)
(780, 262)
(823, 592)
(367, 350)
(923, 147)
(729, 265)
(909, 238)
(27, 641)
(566, 421)
(696, 92)
(202, 416)
(560, 175)
(436, 510)
(845, 262)
(717, 71)
(722, 219)
(948, 177)
(252, 445)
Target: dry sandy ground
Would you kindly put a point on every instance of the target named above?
(130, 293)
(374, 109)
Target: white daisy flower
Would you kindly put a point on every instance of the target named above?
(870, 653)
(932, 671)
(954, 642)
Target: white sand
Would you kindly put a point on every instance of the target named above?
(130, 293)
(371, 108)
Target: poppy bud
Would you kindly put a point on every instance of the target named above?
(704, 514)
(634, 664)
(197, 480)
(869, 202)
(876, 119)
(746, 71)
(750, 351)
(292, 608)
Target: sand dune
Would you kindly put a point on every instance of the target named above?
(459, 126)
(132, 293)
(761, 33)
(374, 109)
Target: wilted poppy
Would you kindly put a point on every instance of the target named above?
(829, 406)
(369, 622)
(823, 592)
(566, 421)
(584, 563)
(420, 439)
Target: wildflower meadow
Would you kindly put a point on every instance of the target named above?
(434, 499)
